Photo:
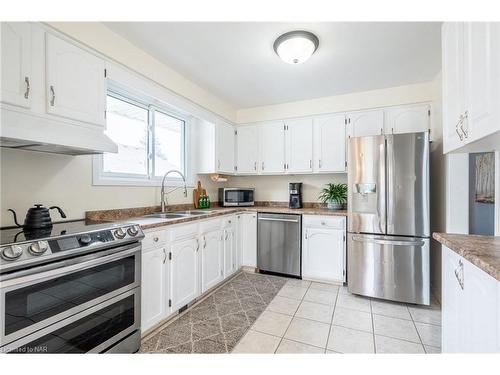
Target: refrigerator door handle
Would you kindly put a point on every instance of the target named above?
(390, 172)
(388, 242)
(382, 196)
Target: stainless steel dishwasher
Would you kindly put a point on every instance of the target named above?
(278, 244)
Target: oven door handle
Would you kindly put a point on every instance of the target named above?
(66, 267)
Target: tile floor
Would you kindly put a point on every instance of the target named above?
(308, 317)
(218, 322)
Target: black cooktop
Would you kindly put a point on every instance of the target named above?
(15, 235)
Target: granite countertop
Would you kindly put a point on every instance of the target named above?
(136, 215)
(482, 251)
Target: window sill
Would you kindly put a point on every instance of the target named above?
(128, 181)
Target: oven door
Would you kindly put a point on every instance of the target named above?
(48, 294)
(91, 331)
(238, 197)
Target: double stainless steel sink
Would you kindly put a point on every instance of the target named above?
(179, 214)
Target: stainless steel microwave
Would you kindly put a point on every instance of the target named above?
(236, 197)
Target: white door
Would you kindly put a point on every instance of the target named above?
(184, 272)
(225, 148)
(154, 287)
(229, 240)
(248, 239)
(452, 303)
(407, 119)
(323, 254)
(272, 147)
(365, 123)
(330, 144)
(212, 268)
(453, 84)
(247, 149)
(482, 77)
(299, 145)
(75, 85)
(16, 63)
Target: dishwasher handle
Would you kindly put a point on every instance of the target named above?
(282, 220)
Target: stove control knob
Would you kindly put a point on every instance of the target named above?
(12, 252)
(132, 231)
(85, 239)
(120, 233)
(38, 248)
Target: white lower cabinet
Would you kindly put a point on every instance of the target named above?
(230, 248)
(212, 268)
(248, 239)
(323, 248)
(470, 307)
(184, 266)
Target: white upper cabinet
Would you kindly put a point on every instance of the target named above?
(365, 123)
(212, 269)
(329, 144)
(471, 86)
(184, 272)
(407, 119)
(299, 145)
(16, 63)
(225, 147)
(75, 82)
(272, 147)
(248, 149)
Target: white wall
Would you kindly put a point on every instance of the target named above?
(416, 93)
(275, 188)
(29, 177)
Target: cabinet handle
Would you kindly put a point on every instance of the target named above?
(164, 256)
(255, 166)
(319, 163)
(262, 165)
(27, 92)
(204, 242)
(306, 235)
(310, 164)
(459, 274)
(53, 94)
(226, 235)
(465, 131)
(197, 244)
(459, 126)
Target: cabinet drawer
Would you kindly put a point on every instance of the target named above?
(183, 231)
(209, 225)
(333, 222)
(228, 221)
(154, 238)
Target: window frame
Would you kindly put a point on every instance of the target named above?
(130, 179)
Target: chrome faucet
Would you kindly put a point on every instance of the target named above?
(163, 193)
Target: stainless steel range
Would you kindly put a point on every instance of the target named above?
(71, 288)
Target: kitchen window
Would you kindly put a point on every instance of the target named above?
(151, 140)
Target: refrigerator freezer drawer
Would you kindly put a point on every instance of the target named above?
(389, 267)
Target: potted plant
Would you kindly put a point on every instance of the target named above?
(334, 195)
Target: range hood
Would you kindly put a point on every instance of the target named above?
(28, 132)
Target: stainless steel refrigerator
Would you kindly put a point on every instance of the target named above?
(388, 226)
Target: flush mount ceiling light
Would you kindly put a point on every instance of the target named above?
(295, 47)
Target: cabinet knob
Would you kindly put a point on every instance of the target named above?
(156, 239)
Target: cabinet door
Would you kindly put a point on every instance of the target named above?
(154, 287)
(453, 84)
(330, 144)
(481, 316)
(16, 63)
(323, 254)
(212, 268)
(75, 82)
(482, 78)
(407, 119)
(452, 303)
(225, 148)
(248, 239)
(247, 149)
(366, 123)
(184, 272)
(272, 152)
(299, 143)
(229, 240)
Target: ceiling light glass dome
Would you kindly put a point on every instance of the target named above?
(295, 47)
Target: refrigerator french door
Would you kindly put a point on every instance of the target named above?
(388, 204)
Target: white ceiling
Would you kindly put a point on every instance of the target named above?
(236, 61)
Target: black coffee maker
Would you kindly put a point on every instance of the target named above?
(295, 190)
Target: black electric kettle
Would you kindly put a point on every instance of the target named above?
(38, 217)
